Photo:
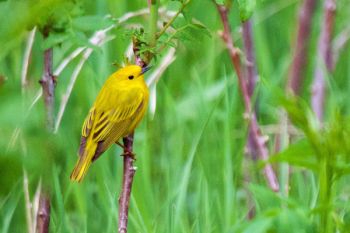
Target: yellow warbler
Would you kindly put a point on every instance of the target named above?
(118, 108)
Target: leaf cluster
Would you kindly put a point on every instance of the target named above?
(329, 142)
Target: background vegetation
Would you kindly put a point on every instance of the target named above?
(193, 173)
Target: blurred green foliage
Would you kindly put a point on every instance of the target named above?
(192, 173)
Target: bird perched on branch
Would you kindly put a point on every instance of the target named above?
(118, 109)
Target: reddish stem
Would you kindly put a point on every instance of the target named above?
(300, 54)
(259, 139)
(128, 176)
(250, 71)
(43, 217)
(128, 168)
(324, 61)
(48, 85)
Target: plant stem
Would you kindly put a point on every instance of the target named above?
(300, 53)
(325, 198)
(250, 71)
(128, 167)
(153, 22)
(259, 139)
(324, 62)
(168, 24)
(48, 85)
(128, 176)
(43, 217)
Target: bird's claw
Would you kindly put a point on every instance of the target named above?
(129, 154)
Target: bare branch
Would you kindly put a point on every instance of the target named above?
(48, 86)
(324, 60)
(250, 56)
(128, 176)
(250, 72)
(259, 139)
(128, 169)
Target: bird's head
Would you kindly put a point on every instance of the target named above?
(131, 72)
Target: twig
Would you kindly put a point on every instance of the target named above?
(250, 71)
(26, 57)
(168, 24)
(299, 61)
(43, 217)
(324, 59)
(48, 86)
(128, 168)
(128, 176)
(259, 139)
(250, 56)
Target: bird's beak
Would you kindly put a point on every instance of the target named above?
(145, 69)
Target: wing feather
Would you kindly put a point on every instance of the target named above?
(107, 125)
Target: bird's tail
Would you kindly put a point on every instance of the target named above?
(83, 164)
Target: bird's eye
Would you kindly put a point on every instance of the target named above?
(131, 77)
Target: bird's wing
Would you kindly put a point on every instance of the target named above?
(107, 125)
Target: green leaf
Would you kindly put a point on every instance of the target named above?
(220, 2)
(80, 39)
(54, 39)
(246, 8)
(299, 154)
(91, 23)
(202, 28)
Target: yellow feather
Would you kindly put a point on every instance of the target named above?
(118, 109)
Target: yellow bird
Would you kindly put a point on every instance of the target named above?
(118, 109)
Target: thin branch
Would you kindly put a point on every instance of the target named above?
(48, 85)
(251, 73)
(128, 176)
(324, 59)
(300, 53)
(26, 57)
(168, 24)
(250, 56)
(128, 168)
(259, 139)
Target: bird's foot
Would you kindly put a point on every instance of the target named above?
(129, 153)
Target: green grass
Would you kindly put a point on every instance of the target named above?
(192, 174)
